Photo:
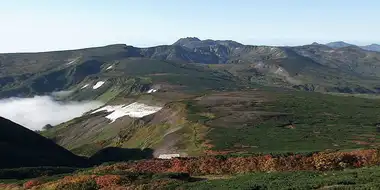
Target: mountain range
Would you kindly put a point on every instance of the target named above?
(198, 96)
(312, 67)
(231, 108)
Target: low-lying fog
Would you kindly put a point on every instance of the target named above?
(34, 113)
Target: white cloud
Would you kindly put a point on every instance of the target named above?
(36, 112)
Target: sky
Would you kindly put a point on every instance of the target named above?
(46, 25)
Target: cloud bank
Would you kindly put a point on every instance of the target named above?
(34, 113)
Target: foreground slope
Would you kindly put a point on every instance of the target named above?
(323, 170)
(21, 147)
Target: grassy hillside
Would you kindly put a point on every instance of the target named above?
(245, 121)
(126, 76)
(280, 121)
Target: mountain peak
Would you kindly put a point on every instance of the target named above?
(338, 44)
(186, 40)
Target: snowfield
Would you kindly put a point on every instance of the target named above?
(98, 85)
(136, 110)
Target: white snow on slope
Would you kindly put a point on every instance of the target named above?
(152, 90)
(85, 86)
(110, 67)
(73, 61)
(136, 110)
(168, 156)
(98, 85)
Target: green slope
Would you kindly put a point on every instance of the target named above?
(245, 121)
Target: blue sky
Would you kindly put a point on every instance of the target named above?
(28, 25)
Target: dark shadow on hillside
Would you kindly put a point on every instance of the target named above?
(115, 154)
(21, 147)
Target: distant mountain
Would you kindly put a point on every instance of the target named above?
(21, 147)
(372, 47)
(339, 44)
(311, 67)
(193, 43)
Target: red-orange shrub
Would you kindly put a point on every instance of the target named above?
(108, 180)
(31, 183)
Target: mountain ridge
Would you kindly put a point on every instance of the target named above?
(297, 67)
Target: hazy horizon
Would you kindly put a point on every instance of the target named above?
(185, 37)
(29, 26)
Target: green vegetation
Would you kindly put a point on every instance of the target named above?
(287, 121)
(365, 178)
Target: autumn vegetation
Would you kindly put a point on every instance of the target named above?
(156, 173)
(207, 165)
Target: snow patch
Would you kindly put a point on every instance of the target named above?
(110, 67)
(152, 90)
(85, 86)
(98, 85)
(136, 110)
(168, 156)
(73, 61)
